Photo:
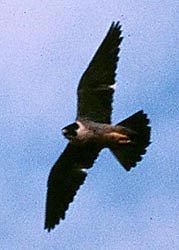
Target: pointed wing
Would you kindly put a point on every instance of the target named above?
(95, 90)
(65, 179)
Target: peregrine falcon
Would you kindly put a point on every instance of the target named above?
(92, 131)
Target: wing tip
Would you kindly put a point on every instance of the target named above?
(50, 227)
(116, 25)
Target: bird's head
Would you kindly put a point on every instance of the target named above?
(70, 131)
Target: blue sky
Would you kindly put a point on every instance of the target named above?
(44, 48)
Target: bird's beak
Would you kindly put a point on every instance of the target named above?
(64, 131)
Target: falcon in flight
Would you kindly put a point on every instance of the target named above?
(92, 131)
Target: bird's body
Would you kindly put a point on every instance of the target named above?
(92, 131)
(97, 133)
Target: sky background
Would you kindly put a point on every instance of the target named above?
(45, 46)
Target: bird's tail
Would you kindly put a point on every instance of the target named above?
(129, 153)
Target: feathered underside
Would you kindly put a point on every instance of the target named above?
(65, 179)
(96, 87)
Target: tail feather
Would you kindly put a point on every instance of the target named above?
(130, 153)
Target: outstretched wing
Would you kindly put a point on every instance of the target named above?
(65, 179)
(95, 90)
